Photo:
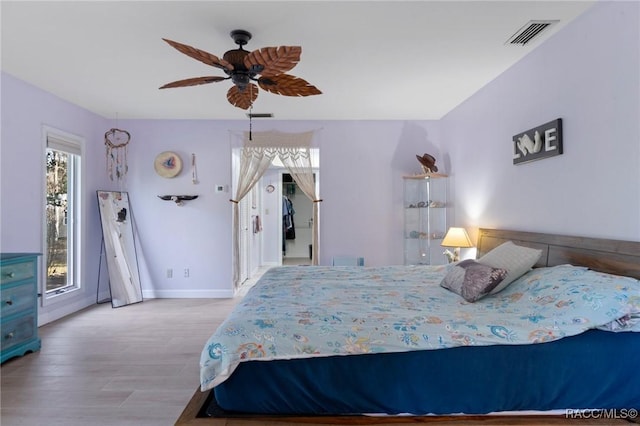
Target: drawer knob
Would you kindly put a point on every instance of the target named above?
(10, 274)
(9, 335)
(9, 302)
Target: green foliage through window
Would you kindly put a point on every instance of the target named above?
(58, 228)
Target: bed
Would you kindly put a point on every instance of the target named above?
(392, 361)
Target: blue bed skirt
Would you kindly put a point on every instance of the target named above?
(595, 370)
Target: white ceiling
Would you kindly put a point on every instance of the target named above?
(373, 60)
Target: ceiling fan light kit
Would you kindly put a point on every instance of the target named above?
(266, 66)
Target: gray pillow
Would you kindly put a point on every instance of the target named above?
(514, 258)
(472, 280)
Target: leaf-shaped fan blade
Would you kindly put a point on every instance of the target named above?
(243, 98)
(194, 81)
(288, 85)
(201, 55)
(274, 60)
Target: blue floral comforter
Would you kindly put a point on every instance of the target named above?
(310, 311)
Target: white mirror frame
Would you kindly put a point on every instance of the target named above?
(120, 249)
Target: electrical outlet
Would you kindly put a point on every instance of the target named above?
(186, 272)
(169, 273)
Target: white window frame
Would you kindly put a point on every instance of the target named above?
(72, 144)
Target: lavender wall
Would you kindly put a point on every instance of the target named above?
(360, 182)
(196, 235)
(361, 165)
(588, 75)
(25, 109)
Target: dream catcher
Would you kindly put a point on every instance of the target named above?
(116, 141)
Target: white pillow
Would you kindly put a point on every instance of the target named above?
(517, 260)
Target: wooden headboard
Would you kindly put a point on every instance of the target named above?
(611, 256)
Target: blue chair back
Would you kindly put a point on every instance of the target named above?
(348, 261)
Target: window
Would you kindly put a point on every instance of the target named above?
(62, 213)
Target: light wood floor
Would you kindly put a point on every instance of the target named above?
(292, 261)
(134, 365)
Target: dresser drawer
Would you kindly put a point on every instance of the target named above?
(16, 299)
(18, 304)
(17, 331)
(17, 271)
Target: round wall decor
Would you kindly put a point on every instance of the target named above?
(168, 164)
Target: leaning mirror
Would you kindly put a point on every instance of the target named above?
(119, 248)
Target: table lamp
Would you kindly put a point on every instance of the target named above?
(456, 238)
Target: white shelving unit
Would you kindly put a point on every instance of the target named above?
(425, 218)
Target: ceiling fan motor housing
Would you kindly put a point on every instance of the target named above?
(240, 75)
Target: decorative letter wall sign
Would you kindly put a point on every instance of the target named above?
(540, 142)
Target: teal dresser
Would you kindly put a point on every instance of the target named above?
(19, 304)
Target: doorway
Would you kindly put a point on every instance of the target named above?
(263, 241)
(281, 244)
(297, 223)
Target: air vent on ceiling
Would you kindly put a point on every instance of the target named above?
(260, 114)
(531, 30)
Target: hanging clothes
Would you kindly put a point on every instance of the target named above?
(257, 224)
(291, 228)
(288, 226)
(286, 215)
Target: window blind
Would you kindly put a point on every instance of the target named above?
(64, 145)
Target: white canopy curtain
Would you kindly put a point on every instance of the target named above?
(293, 149)
(254, 161)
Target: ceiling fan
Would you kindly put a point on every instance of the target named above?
(266, 66)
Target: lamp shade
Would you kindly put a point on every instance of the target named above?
(456, 237)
